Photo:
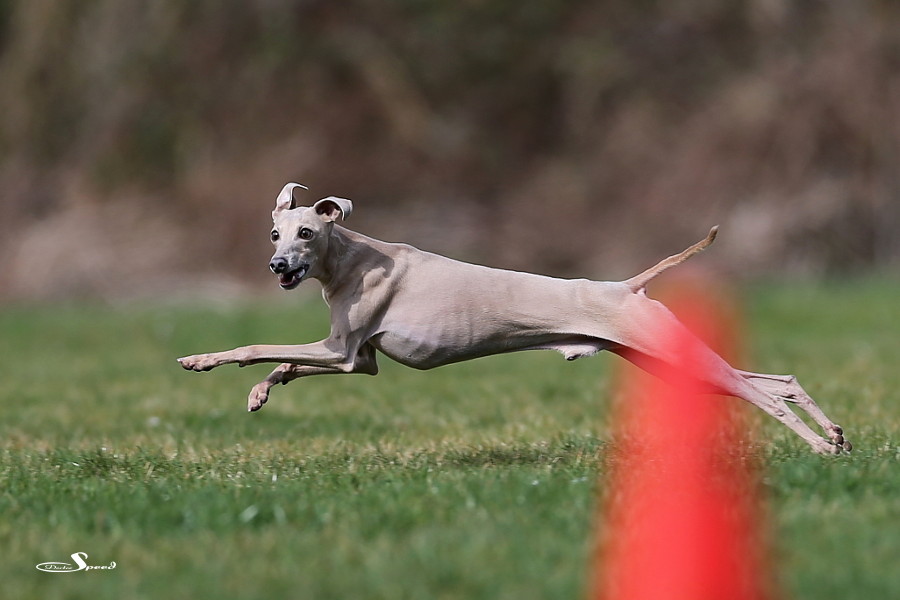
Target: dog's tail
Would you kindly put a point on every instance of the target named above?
(639, 282)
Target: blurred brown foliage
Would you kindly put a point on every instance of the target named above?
(142, 143)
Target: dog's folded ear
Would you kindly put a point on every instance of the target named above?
(285, 200)
(331, 208)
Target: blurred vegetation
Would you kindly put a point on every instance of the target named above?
(142, 143)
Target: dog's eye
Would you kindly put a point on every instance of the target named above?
(305, 234)
(274, 236)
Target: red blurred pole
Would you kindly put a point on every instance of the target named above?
(682, 519)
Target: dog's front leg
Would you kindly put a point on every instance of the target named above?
(284, 373)
(365, 363)
(327, 353)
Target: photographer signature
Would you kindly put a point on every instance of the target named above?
(79, 558)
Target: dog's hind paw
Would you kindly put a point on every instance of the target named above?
(836, 433)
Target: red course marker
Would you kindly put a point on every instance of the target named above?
(681, 519)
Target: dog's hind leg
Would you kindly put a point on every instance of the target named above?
(789, 389)
(776, 407)
(718, 377)
(650, 346)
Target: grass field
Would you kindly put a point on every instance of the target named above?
(472, 481)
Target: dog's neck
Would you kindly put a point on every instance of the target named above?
(349, 257)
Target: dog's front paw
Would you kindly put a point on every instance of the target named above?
(258, 396)
(198, 362)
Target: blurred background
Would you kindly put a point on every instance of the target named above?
(142, 143)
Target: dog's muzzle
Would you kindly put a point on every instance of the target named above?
(288, 279)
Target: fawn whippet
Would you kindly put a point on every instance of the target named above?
(424, 310)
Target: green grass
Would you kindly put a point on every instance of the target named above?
(472, 481)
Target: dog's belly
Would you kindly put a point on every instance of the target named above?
(420, 352)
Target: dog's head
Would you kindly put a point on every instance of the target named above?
(301, 235)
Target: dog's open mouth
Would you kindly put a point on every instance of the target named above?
(292, 279)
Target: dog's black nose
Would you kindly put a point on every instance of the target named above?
(278, 265)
